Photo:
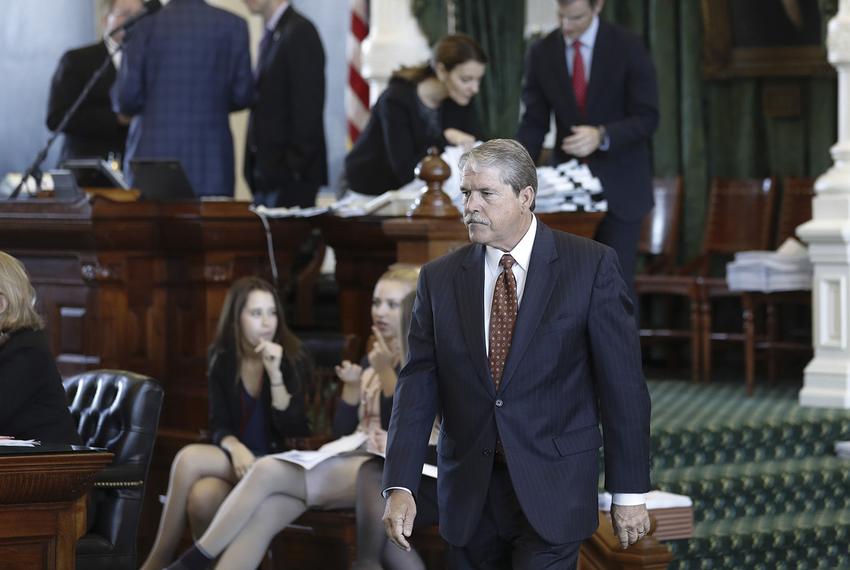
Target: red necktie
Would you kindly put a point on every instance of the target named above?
(502, 318)
(579, 77)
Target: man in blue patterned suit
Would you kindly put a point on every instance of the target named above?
(525, 342)
(184, 70)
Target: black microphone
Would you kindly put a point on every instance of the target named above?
(149, 7)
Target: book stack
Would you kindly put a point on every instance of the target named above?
(786, 269)
(673, 514)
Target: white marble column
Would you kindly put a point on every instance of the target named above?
(827, 377)
(394, 40)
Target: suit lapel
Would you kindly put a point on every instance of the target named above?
(600, 62)
(561, 73)
(274, 43)
(539, 284)
(469, 293)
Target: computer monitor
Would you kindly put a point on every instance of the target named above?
(161, 180)
(94, 173)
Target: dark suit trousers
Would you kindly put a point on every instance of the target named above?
(622, 237)
(505, 540)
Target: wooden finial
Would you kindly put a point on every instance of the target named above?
(433, 203)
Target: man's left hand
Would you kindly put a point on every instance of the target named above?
(584, 140)
(631, 523)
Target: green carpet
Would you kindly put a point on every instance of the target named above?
(768, 491)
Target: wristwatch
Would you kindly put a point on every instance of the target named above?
(604, 139)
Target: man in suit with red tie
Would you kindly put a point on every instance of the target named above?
(525, 342)
(599, 82)
(285, 155)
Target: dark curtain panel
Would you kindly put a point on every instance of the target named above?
(724, 127)
(498, 25)
(433, 18)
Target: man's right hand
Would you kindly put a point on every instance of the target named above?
(398, 517)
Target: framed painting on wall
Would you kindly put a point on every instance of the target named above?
(765, 38)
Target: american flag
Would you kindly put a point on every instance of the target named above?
(357, 90)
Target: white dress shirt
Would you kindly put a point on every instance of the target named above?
(588, 40)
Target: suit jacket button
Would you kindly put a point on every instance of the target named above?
(499, 403)
(486, 452)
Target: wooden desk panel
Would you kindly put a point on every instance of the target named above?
(42, 500)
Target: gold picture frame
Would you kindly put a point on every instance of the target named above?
(754, 44)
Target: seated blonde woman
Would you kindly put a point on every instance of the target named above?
(32, 399)
(274, 493)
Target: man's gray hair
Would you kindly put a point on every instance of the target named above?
(516, 169)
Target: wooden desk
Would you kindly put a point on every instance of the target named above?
(42, 504)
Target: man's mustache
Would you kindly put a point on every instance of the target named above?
(475, 219)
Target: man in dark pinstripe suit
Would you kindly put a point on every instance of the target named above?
(518, 456)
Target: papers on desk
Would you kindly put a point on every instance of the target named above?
(294, 212)
(19, 442)
(568, 187)
(309, 459)
(786, 269)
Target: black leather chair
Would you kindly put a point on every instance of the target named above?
(119, 411)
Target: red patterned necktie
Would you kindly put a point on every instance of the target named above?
(502, 318)
(579, 77)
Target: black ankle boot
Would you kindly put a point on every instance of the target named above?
(192, 559)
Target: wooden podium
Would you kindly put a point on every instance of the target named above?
(42, 504)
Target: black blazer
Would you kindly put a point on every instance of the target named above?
(226, 402)
(574, 364)
(622, 96)
(286, 131)
(93, 130)
(396, 139)
(32, 399)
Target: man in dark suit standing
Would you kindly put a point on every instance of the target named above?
(600, 83)
(285, 158)
(525, 342)
(185, 69)
(94, 130)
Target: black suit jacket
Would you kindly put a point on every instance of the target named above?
(622, 96)
(226, 402)
(93, 130)
(574, 363)
(396, 138)
(286, 131)
(32, 399)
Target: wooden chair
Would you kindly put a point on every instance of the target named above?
(795, 209)
(659, 279)
(740, 218)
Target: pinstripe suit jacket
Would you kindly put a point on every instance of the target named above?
(184, 70)
(574, 364)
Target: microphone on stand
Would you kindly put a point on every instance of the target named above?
(148, 8)
(34, 169)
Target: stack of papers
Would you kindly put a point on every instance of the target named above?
(569, 187)
(294, 212)
(19, 442)
(786, 269)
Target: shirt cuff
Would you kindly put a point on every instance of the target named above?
(386, 492)
(628, 499)
(605, 142)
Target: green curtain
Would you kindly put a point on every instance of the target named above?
(433, 18)
(721, 127)
(498, 25)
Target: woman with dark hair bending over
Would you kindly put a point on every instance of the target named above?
(422, 106)
(257, 371)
